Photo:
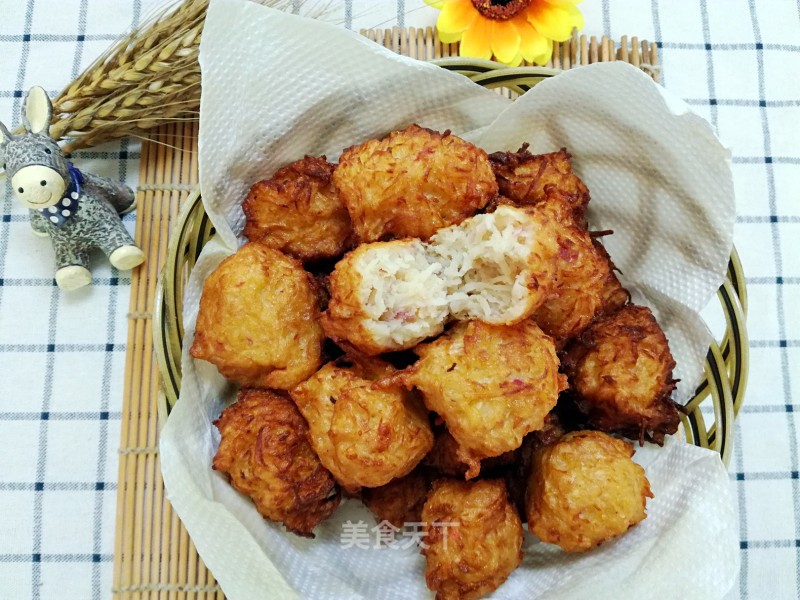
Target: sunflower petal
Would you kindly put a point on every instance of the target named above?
(435, 3)
(554, 22)
(577, 17)
(477, 40)
(505, 41)
(449, 38)
(456, 16)
(532, 43)
(516, 61)
(544, 58)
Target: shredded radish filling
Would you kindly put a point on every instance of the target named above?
(485, 264)
(480, 269)
(403, 293)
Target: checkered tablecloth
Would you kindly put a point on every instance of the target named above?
(736, 62)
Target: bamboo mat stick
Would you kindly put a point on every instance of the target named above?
(123, 479)
(137, 293)
(153, 467)
(142, 459)
(185, 562)
(584, 51)
(170, 529)
(622, 53)
(191, 564)
(153, 555)
(594, 55)
(163, 511)
(151, 414)
(175, 529)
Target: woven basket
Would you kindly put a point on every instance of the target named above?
(718, 397)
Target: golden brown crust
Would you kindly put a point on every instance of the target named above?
(299, 212)
(585, 287)
(447, 458)
(344, 320)
(265, 451)
(491, 384)
(612, 295)
(473, 538)
(444, 457)
(620, 371)
(550, 433)
(364, 434)
(399, 501)
(525, 178)
(258, 319)
(584, 489)
(412, 182)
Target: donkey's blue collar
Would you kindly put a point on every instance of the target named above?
(65, 209)
(75, 175)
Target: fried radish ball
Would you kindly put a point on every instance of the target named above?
(491, 384)
(298, 211)
(524, 178)
(364, 434)
(399, 501)
(621, 375)
(585, 286)
(584, 489)
(264, 449)
(446, 457)
(499, 267)
(412, 182)
(473, 538)
(386, 296)
(612, 295)
(258, 319)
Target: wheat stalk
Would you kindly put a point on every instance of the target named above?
(149, 76)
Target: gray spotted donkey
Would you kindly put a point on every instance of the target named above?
(79, 211)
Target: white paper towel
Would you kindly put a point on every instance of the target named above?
(657, 176)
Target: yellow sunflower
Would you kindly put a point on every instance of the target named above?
(511, 30)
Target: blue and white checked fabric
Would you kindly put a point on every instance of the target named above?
(736, 62)
(62, 356)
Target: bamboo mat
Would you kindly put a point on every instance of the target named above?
(424, 44)
(153, 555)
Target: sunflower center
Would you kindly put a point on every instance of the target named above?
(500, 10)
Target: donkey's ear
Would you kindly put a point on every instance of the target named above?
(5, 135)
(38, 111)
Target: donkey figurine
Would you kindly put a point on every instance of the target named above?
(79, 211)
